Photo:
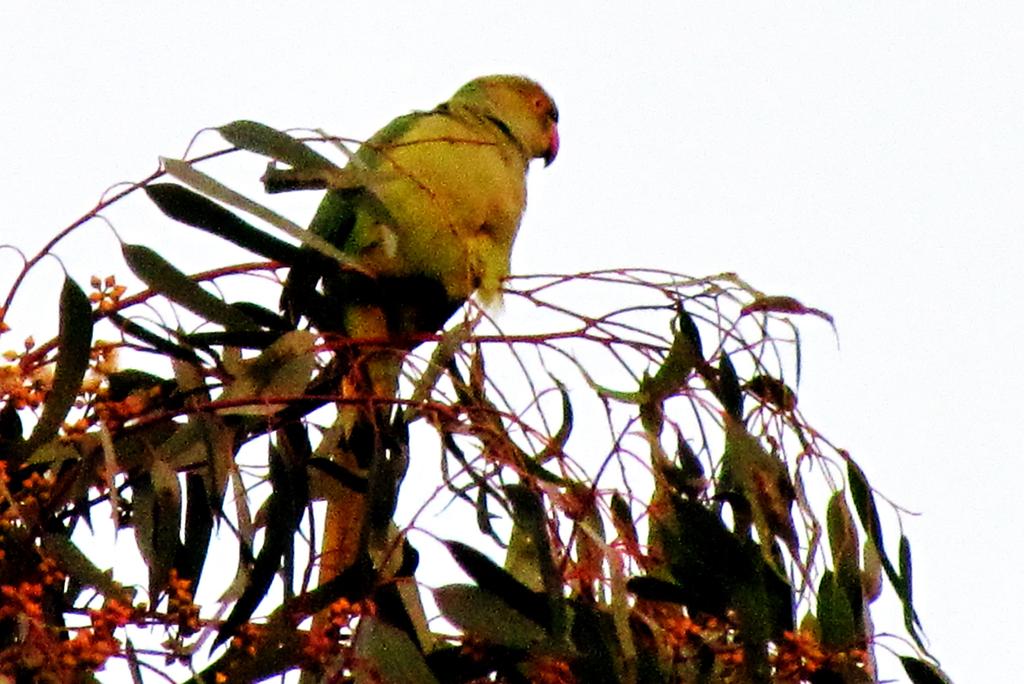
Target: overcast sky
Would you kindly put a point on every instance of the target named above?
(863, 157)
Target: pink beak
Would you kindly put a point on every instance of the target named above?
(552, 151)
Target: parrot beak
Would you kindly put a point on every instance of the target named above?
(552, 151)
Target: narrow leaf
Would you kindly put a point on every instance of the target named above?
(386, 655)
(494, 579)
(556, 445)
(160, 344)
(906, 570)
(728, 390)
(871, 579)
(198, 529)
(206, 185)
(772, 391)
(654, 589)
(835, 614)
(684, 354)
(191, 208)
(270, 142)
(166, 520)
(864, 502)
(530, 521)
(161, 276)
(74, 341)
(622, 519)
(482, 615)
(282, 370)
(906, 591)
(78, 566)
(921, 672)
(842, 534)
(782, 304)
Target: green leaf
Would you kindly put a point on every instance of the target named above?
(74, 342)
(842, 535)
(206, 185)
(494, 579)
(622, 519)
(528, 516)
(530, 531)
(198, 529)
(55, 452)
(845, 546)
(484, 616)
(906, 592)
(684, 355)
(835, 614)
(284, 510)
(191, 208)
(121, 384)
(555, 446)
(705, 558)
(922, 672)
(270, 142)
(282, 370)
(159, 344)
(168, 499)
(386, 655)
(906, 571)
(728, 388)
(772, 391)
(654, 589)
(205, 444)
(78, 566)
(686, 474)
(601, 649)
(161, 276)
(763, 480)
(871, 579)
(156, 506)
(864, 502)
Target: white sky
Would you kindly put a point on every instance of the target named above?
(865, 158)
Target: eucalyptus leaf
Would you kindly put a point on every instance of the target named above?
(482, 615)
(78, 566)
(864, 502)
(922, 672)
(206, 185)
(191, 208)
(162, 276)
(763, 480)
(835, 614)
(282, 370)
(270, 142)
(386, 655)
(684, 355)
(842, 534)
(492, 578)
(74, 342)
(728, 388)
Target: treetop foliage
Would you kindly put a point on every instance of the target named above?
(647, 501)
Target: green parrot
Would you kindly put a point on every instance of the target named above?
(438, 205)
(431, 219)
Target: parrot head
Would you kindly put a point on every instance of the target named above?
(520, 107)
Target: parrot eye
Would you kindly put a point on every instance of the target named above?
(546, 107)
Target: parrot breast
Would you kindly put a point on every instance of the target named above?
(453, 193)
